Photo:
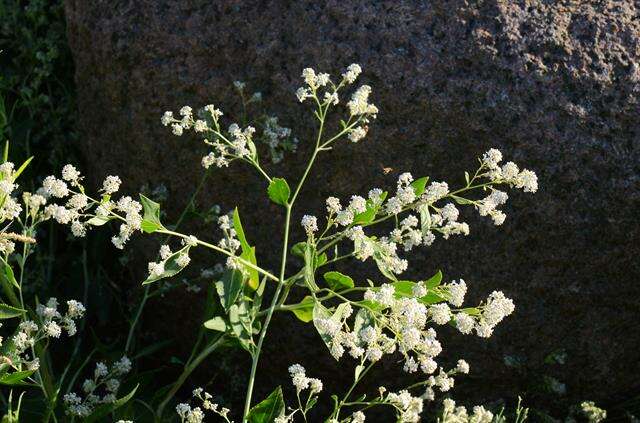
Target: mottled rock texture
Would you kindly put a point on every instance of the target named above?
(554, 85)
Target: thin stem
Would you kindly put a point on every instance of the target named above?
(223, 251)
(283, 266)
(188, 369)
(353, 386)
(263, 332)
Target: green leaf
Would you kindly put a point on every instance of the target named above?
(460, 200)
(471, 311)
(431, 298)
(366, 216)
(8, 271)
(230, 287)
(99, 220)
(434, 280)
(363, 319)
(217, 323)
(337, 281)
(171, 267)
(425, 218)
(105, 409)
(248, 252)
(257, 297)
(321, 312)
(240, 321)
(268, 409)
(8, 312)
(419, 185)
(304, 309)
(298, 249)
(8, 282)
(404, 288)
(309, 267)
(5, 153)
(21, 169)
(16, 378)
(279, 191)
(151, 219)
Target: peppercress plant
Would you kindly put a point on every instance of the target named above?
(391, 316)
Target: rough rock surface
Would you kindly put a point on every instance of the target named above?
(554, 85)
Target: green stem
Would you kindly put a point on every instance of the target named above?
(146, 294)
(283, 266)
(353, 386)
(263, 332)
(188, 369)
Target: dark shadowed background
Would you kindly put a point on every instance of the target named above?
(554, 85)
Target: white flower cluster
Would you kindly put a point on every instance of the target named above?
(432, 216)
(409, 407)
(593, 413)
(357, 204)
(51, 324)
(310, 224)
(509, 172)
(400, 322)
(488, 206)
(458, 414)
(494, 311)
(76, 211)
(360, 110)
(10, 208)
(302, 382)
(190, 414)
(230, 240)
(237, 143)
(104, 379)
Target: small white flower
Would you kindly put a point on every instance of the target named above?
(111, 184)
(70, 173)
(310, 224)
(352, 73)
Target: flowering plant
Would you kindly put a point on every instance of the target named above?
(368, 321)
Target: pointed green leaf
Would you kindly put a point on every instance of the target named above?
(21, 169)
(230, 287)
(5, 153)
(321, 312)
(217, 323)
(248, 252)
(151, 219)
(337, 281)
(257, 297)
(240, 322)
(279, 191)
(434, 280)
(419, 185)
(309, 267)
(8, 312)
(404, 288)
(8, 283)
(99, 220)
(269, 409)
(366, 216)
(171, 267)
(304, 309)
(8, 270)
(16, 378)
(298, 249)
